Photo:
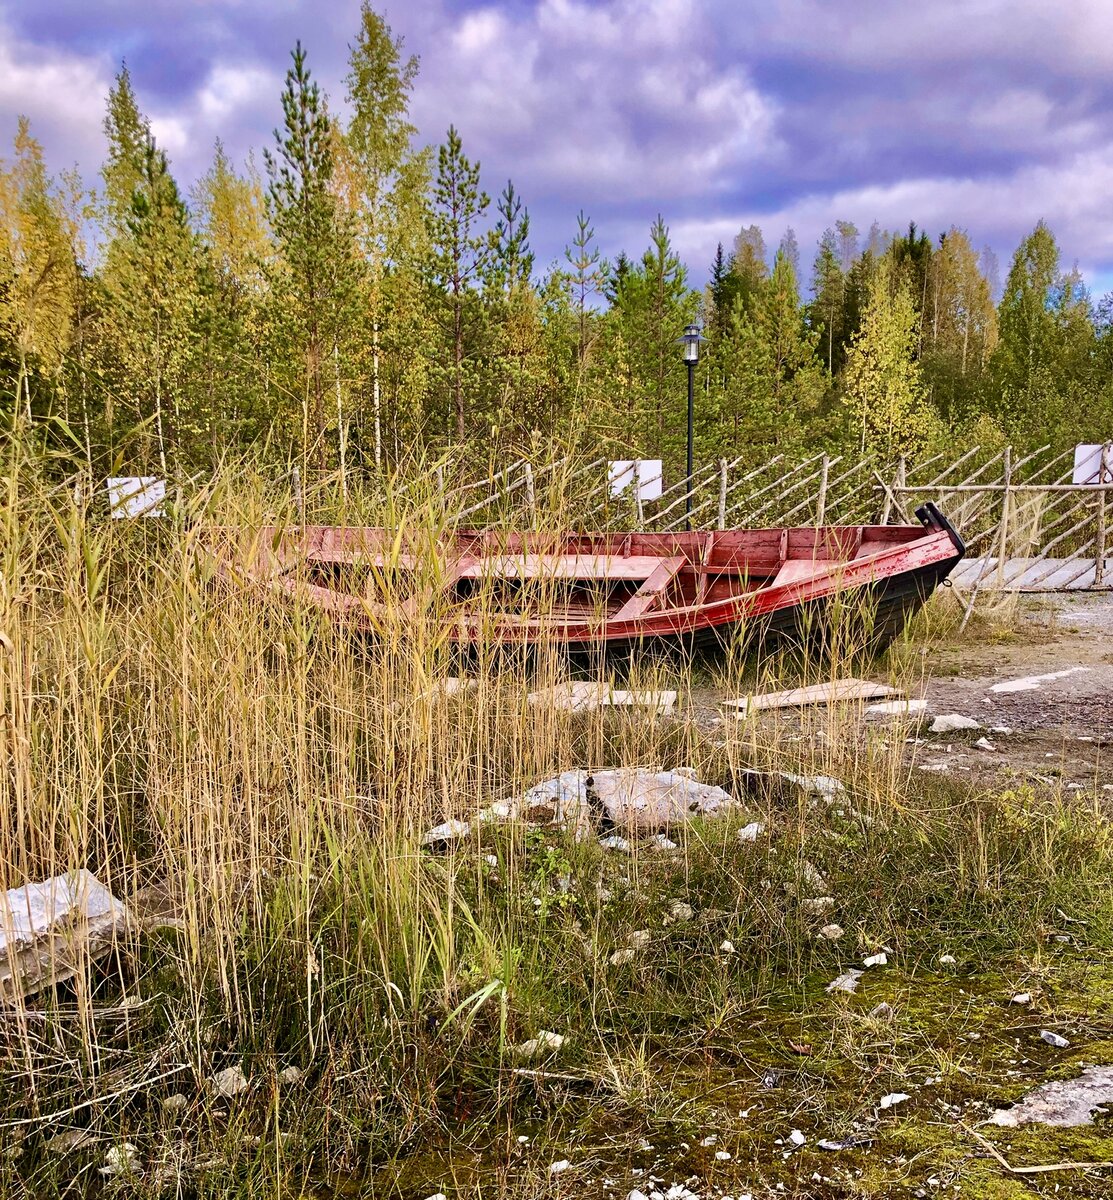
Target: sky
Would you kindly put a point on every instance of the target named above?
(985, 114)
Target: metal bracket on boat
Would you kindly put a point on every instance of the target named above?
(931, 518)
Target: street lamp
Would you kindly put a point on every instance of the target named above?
(691, 340)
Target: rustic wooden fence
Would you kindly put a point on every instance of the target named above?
(1028, 527)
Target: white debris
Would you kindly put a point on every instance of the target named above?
(49, 930)
(636, 799)
(984, 744)
(229, 1082)
(660, 842)
(437, 1196)
(121, 1160)
(615, 842)
(832, 932)
(947, 960)
(812, 877)
(1063, 1103)
(819, 905)
(621, 957)
(727, 947)
(558, 1167)
(1031, 683)
(450, 831)
(722, 1156)
(546, 1042)
(636, 1195)
(894, 1098)
(797, 1138)
(290, 1075)
(710, 1140)
(1022, 998)
(751, 832)
(681, 911)
(881, 1012)
(497, 812)
(1054, 1039)
(900, 708)
(847, 982)
(952, 723)
(175, 1102)
(875, 960)
(559, 801)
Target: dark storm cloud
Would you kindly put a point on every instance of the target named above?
(988, 115)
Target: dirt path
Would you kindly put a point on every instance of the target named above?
(1040, 689)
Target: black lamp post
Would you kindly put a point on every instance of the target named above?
(691, 340)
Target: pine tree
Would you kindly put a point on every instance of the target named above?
(151, 276)
(826, 312)
(587, 277)
(316, 274)
(459, 253)
(748, 266)
(128, 133)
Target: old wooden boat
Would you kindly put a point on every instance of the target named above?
(609, 591)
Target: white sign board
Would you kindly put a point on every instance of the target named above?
(642, 474)
(1093, 464)
(136, 495)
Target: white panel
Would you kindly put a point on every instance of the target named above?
(1093, 464)
(136, 495)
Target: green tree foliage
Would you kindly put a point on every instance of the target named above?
(316, 268)
(884, 387)
(364, 297)
(38, 269)
(459, 250)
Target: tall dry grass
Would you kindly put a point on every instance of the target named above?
(253, 780)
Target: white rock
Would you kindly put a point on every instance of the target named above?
(722, 1156)
(621, 957)
(229, 1082)
(832, 932)
(952, 722)
(984, 744)
(710, 1140)
(615, 842)
(751, 832)
(546, 1042)
(812, 877)
(121, 1160)
(636, 1195)
(894, 1098)
(635, 799)
(1054, 1039)
(947, 960)
(1022, 998)
(875, 960)
(437, 1196)
(818, 906)
(290, 1075)
(797, 1138)
(882, 1012)
(450, 831)
(680, 911)
(559, 1167)
(1062, 1103)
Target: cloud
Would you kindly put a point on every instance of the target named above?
(988, 114)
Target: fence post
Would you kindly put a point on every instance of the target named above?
(898, 483)
(531, 498)
(821, 500)
(1006, 512)
(722, 493)
(1105, 473)
(299, 494)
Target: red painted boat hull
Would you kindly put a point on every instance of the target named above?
(592, 592)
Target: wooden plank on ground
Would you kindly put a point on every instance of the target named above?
(577, 696)
(837, 691)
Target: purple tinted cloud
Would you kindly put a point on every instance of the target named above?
(988, 115)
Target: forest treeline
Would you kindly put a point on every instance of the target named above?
(353, 294)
